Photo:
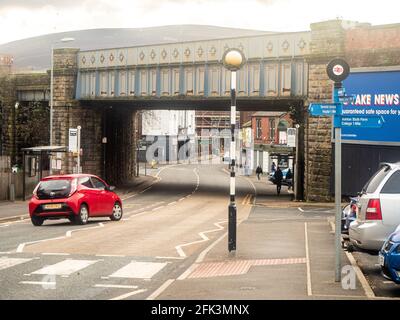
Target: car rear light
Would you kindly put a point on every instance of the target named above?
(74, 187)
(373, 211)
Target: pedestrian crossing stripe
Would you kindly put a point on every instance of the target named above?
(66, 267)
(139, 270)
(11, 262)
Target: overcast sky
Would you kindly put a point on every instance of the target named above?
(26, 18)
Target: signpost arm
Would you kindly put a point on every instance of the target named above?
(338, 180)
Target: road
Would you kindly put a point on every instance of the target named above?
(162, 230)
(176, 229)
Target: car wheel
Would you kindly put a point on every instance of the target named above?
(83, 216)
(117, 212)
(37, 221)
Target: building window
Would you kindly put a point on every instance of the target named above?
(272, 129)
(258, 129)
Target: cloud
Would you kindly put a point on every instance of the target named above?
(37, 4)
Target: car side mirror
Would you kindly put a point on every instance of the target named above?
(110, 188)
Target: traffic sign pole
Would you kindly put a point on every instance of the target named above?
(338, 180)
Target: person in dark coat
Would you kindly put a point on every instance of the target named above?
(289, 179)
(278, 177)
(258, 172)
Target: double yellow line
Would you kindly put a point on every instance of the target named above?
(248, 199)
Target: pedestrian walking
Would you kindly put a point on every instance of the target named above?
(278, 176)
(289, 179)
(273, 167)
(258, 172)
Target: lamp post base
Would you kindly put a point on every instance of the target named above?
(232, 227)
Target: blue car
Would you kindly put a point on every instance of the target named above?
(389, 257)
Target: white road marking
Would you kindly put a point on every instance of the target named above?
(68, 234)
(364, 283)
(181, 199)
(127, 295)
(203, 238)
(110, 255)
(117, 286)
(11, 262)
(388, 282)
(188, 271)
(7, 252)
(55, 254)
(155, 209)
(139, 270)
(66, 267)
(42, 283)
(309, 287)
(300, 209)
(168, 258)
(4, 225)
(160, 290)
(144, 208)
(171, 203)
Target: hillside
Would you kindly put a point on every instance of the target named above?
(34, 53)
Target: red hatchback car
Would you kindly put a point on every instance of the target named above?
(75, 197)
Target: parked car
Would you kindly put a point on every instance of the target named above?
(378, 214)
(76, 197)
(389, 257)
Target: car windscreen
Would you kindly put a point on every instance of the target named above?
(376, 179)
(59, 188)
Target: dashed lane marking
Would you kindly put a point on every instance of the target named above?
(66, 267)
(139, 270)
(11, 262)
(55, 254)
(171, 203)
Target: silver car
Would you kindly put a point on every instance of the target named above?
(378, 209)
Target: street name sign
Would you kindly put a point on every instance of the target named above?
(323, 109)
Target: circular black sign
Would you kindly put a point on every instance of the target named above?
(337, 70)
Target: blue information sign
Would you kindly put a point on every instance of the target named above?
(375, 94)
(362, 122)
(322, 109)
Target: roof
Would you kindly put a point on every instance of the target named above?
(268, 114)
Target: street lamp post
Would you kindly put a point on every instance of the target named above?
(233, 60)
